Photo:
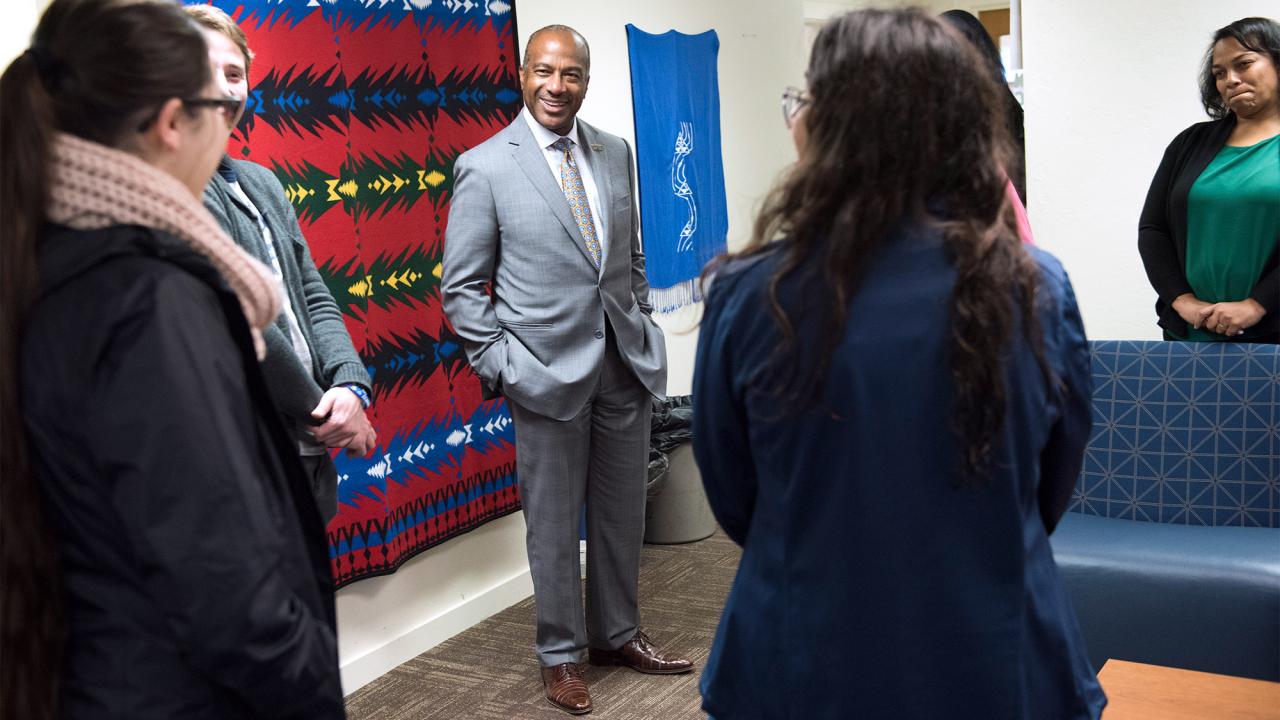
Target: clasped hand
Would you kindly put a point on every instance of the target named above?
(344, 423)
(1224, 318)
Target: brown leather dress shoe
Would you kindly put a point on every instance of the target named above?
(639, 654)
(566, 688)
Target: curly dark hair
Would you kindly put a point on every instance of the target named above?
(1261, 35)
(905, 123)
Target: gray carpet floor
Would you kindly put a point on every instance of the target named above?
(489, 671)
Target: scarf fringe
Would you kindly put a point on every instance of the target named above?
(670, 299)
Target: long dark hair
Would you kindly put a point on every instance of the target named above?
(1261, 35)
(95, 69)
(903, 124)
(973, 31)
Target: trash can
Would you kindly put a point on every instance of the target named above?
(676, 510)
(658, 464)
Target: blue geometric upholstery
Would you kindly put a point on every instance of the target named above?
(1184, 433)
(1172, 553)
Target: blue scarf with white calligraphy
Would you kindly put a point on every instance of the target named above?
(684, 217)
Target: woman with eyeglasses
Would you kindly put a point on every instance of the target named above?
(1209, 234)
(162, 556)
(893, 405)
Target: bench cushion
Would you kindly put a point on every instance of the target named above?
(1191, 596)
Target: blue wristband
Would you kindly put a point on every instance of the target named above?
(361, 393)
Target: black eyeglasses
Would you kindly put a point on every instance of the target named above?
(228, 106)
(793, 101)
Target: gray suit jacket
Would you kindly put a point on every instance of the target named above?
(540, 337)
(295, 389)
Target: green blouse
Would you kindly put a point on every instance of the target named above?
(1233, 224)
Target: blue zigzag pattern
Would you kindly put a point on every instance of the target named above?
(399, 361)
(267, 12)
(455, 15)
(362, 15)
(298, 100)
(309, 99)
(427, 448)
(400, 97)
(492, 484)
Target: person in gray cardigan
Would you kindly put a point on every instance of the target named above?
(315, 377)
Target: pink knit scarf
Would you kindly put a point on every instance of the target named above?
(93, 186)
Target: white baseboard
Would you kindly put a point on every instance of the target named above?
(360, 671)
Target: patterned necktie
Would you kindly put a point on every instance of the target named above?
(576, 194)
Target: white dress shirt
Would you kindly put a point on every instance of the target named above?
(545, 139)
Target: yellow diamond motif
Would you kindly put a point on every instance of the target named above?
(434, 178)
(361, 288)
(347, 188)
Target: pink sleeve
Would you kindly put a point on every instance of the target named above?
(1020, 213)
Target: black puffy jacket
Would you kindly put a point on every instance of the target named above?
(193, 555)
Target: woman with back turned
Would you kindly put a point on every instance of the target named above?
(162, 555)
(892, 407)
(1209, 234)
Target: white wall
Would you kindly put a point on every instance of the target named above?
(388, 620)
(1108, 85)
(17, 23)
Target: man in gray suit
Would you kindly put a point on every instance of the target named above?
(544, 214)
(316, 379)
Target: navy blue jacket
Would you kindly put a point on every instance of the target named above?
(871, 585)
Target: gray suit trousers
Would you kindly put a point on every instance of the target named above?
(599, 456)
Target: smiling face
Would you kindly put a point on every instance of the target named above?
(554, 79)
(228, 64)
(1246, 80)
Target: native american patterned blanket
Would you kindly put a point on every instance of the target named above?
(361, 107)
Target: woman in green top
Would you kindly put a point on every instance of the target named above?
(1210, 229)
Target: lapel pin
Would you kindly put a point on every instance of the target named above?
(597, 147)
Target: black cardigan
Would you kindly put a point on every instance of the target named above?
(1162, 229)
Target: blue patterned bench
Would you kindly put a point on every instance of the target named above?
(1171, 548)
